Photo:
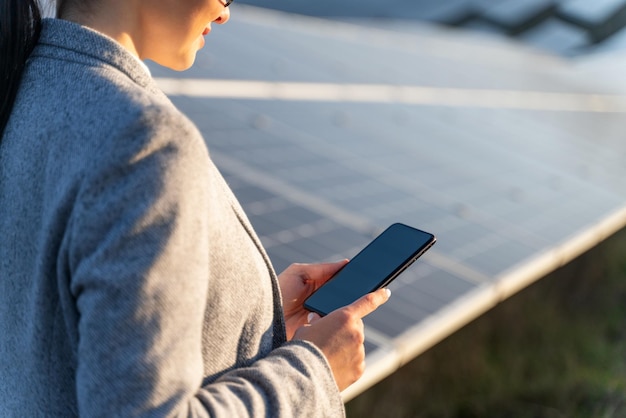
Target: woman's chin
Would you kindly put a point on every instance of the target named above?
(179, 63)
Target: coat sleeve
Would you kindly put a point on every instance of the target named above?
(139, 277)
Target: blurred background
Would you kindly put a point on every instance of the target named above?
(498, 126)
(564, 27)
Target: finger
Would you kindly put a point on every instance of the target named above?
(322, 272)
(369, 303)
(312, 317)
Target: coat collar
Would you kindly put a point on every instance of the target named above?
(73, 42)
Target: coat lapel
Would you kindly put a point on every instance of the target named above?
(280, 333)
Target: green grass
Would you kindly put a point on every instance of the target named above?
(556, 349)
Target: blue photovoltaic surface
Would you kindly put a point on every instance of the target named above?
(502, 186)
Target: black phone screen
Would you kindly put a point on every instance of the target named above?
(372, 268)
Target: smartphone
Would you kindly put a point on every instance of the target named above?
(381, 261)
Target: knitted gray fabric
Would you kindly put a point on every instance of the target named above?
(131, 283)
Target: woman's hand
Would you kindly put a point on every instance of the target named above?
(297, 283)
(340, 336)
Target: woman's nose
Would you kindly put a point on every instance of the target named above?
(224, 16)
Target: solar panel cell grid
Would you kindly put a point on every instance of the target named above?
(500, 187)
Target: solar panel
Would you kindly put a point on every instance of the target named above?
(512, 178)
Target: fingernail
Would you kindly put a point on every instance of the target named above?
(310, 317)
(388, 292)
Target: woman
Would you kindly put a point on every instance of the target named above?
(131, 282)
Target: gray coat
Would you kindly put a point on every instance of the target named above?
(131, 282)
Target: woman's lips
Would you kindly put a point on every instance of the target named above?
(206, 31)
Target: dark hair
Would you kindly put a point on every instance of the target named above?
(20, 24)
